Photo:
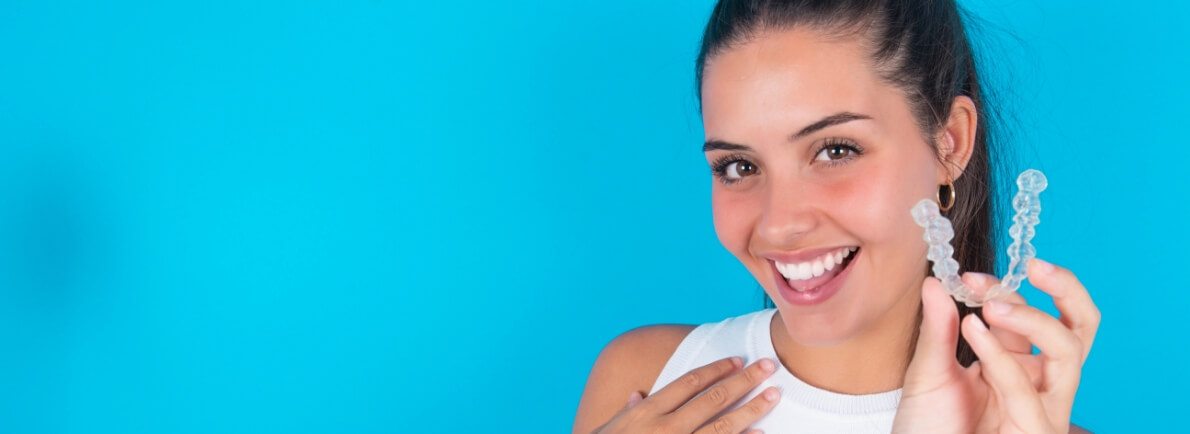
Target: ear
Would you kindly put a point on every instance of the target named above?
(956, 141)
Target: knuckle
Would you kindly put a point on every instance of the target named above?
(753, 374)
(723, 426)
(1064, 272)
(1067, 345)
(717, 395)
(692, 379)
(1075, 347)
(753, 410)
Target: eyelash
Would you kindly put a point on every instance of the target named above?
(719, 166)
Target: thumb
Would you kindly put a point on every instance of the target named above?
(939, 334)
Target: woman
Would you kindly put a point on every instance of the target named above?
(825, 122)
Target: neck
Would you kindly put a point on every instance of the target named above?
(872, 362)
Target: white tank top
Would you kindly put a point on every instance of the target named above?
(803, 408)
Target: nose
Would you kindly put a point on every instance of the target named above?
(791, 210)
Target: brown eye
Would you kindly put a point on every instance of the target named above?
(739, 169)
(835, 152)
(731, 169)
(838, 152)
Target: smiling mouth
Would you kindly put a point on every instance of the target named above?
(812, 283)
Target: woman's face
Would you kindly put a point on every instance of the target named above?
(792, 194)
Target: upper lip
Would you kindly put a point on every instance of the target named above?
(804, 255)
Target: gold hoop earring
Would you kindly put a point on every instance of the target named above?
(949, 186)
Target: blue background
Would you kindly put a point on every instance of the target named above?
(430, 216)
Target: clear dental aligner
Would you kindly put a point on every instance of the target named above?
(938, 232)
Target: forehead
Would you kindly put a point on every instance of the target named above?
(790, 78)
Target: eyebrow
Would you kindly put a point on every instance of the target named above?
(835, 119)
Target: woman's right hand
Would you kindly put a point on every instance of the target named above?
(679, 407)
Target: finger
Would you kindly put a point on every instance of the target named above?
(722, 394)
(1015, 392)
(1071, 298)
(1019, 344)
(938, 335)
(978, 283)
(1033, 365)
(1012, 341)
(691, 383)
(746, 414)
(1061, 349)
(633, 399)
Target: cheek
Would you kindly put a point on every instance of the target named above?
(875, 207)
(732, 225)
(877, 201)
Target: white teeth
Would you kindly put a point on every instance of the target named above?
(816, 267)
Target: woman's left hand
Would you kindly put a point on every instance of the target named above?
(1009, 390)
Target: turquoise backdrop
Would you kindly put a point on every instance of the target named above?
(377, 216)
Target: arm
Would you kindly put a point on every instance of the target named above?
(629, 363)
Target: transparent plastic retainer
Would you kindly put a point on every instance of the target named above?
(938, 232)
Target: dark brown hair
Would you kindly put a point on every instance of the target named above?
(919, 46)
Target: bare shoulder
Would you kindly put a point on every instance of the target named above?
(630, 362)
(1075, 429)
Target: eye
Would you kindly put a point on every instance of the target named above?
(837, 151)
(732, 169)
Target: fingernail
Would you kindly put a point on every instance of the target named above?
(767, 366)
(1043, 266)
(634, 398)
(737, 361)
(979, 279)
(979, 325)
(771, 394)
(999, 307)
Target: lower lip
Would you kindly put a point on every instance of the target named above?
(816, 295)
